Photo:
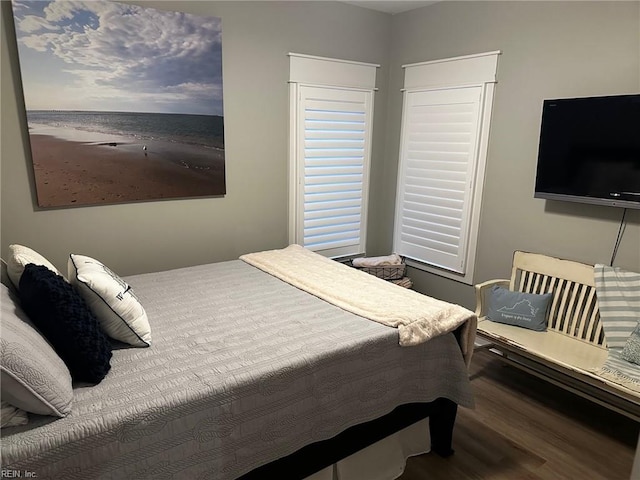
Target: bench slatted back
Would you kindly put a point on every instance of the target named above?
(574, 307)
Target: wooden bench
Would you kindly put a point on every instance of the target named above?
(574, 344)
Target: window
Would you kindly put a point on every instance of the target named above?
(331, 111)
(445, 128)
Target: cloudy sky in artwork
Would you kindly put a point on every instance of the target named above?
(108, 56)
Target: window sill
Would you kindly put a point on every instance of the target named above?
(441, 272)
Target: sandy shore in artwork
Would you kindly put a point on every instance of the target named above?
(75, 173)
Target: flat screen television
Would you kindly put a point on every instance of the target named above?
(589, 151)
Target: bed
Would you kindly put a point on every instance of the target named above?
(247, 375)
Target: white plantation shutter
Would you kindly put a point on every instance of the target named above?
(334, 144)
(331, 137)
(440, 132)
(445, 127)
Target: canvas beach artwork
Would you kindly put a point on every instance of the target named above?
(123, 102)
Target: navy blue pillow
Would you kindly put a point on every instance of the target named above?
(65, 320)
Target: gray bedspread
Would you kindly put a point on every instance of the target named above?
(244, 369)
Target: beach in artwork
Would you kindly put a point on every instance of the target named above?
(123, 102)
(85, 158)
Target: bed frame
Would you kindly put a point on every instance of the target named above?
(313, 458)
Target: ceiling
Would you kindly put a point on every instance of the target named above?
(391, 6)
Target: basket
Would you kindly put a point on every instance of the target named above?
(386, 272)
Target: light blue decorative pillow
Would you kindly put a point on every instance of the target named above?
(526, 310)
(631, 350)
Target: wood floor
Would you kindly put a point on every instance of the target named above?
(525, 428)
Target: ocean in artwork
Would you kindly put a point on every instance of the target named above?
(203, 130)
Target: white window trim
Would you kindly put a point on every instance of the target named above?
(469, 70)
(313, 71)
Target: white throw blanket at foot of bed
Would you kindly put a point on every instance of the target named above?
(417, 317)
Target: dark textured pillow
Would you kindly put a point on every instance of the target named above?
(64, 318)
(526, 310)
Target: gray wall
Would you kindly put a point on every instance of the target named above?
(549, 50)
(151, 236)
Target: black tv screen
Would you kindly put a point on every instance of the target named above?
(590, 151)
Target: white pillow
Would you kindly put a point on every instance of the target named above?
(120, 313)
(32, 375)
(19, 257)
